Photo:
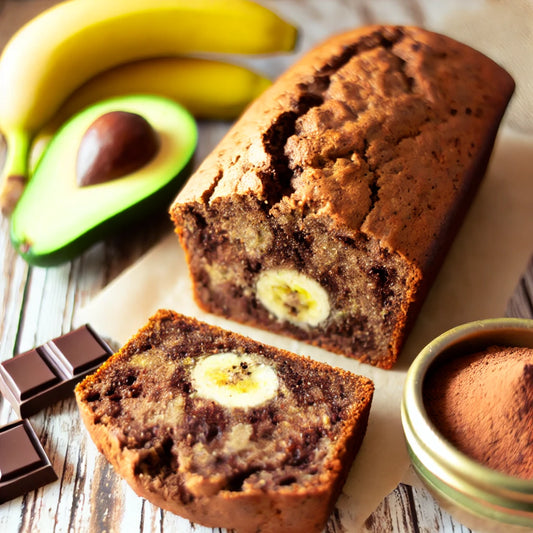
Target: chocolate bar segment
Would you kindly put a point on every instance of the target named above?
(24, 465)
(28, 374)
(40, 377)
(19, 455)
(78, 350)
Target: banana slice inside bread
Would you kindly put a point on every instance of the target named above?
(223, 430)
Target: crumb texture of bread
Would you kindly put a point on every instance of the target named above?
(276, 465)
(355, 169)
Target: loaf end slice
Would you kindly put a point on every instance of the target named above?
(327, 210)
(223, 430)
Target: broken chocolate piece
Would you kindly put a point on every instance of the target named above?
(24, 465)
(40, 377)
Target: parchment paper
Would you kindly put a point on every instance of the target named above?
(475, 282)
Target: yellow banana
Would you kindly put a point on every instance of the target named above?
(66, 45)
(207, 88)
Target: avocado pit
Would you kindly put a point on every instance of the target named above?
(116, 144)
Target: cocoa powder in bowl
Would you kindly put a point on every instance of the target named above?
(483, 404)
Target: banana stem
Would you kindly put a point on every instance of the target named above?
(14, 175)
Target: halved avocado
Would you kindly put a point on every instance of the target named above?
(57, 218)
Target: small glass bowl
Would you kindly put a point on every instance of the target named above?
(479, 497)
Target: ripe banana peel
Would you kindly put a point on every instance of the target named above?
(209, 89)
(66, 45)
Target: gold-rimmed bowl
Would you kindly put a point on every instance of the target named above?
(480, 497)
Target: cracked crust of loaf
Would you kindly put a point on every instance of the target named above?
(382, 135)
(121, 401)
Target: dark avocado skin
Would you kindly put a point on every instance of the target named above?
(60, 245)
(161, 200)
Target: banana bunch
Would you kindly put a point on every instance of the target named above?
(66, 46)
(235, 380)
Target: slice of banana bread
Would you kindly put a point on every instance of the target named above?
(223, 430)
(326, 211)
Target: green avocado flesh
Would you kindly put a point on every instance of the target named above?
(56, 219)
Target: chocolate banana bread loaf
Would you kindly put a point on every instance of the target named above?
(223, 430)
(326, 211)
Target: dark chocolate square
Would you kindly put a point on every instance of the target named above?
(27, 374)
(24, 465)
(38, 378)
(78, 350)
(17, 453)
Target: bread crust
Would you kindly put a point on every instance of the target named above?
(247, 134)
(383, 134)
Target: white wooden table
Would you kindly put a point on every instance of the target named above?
(39, 304)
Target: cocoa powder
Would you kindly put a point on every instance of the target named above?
(483, 404)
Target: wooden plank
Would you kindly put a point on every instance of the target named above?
(430, 517)
(395, 513)
(14, 275)
(521, 302)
